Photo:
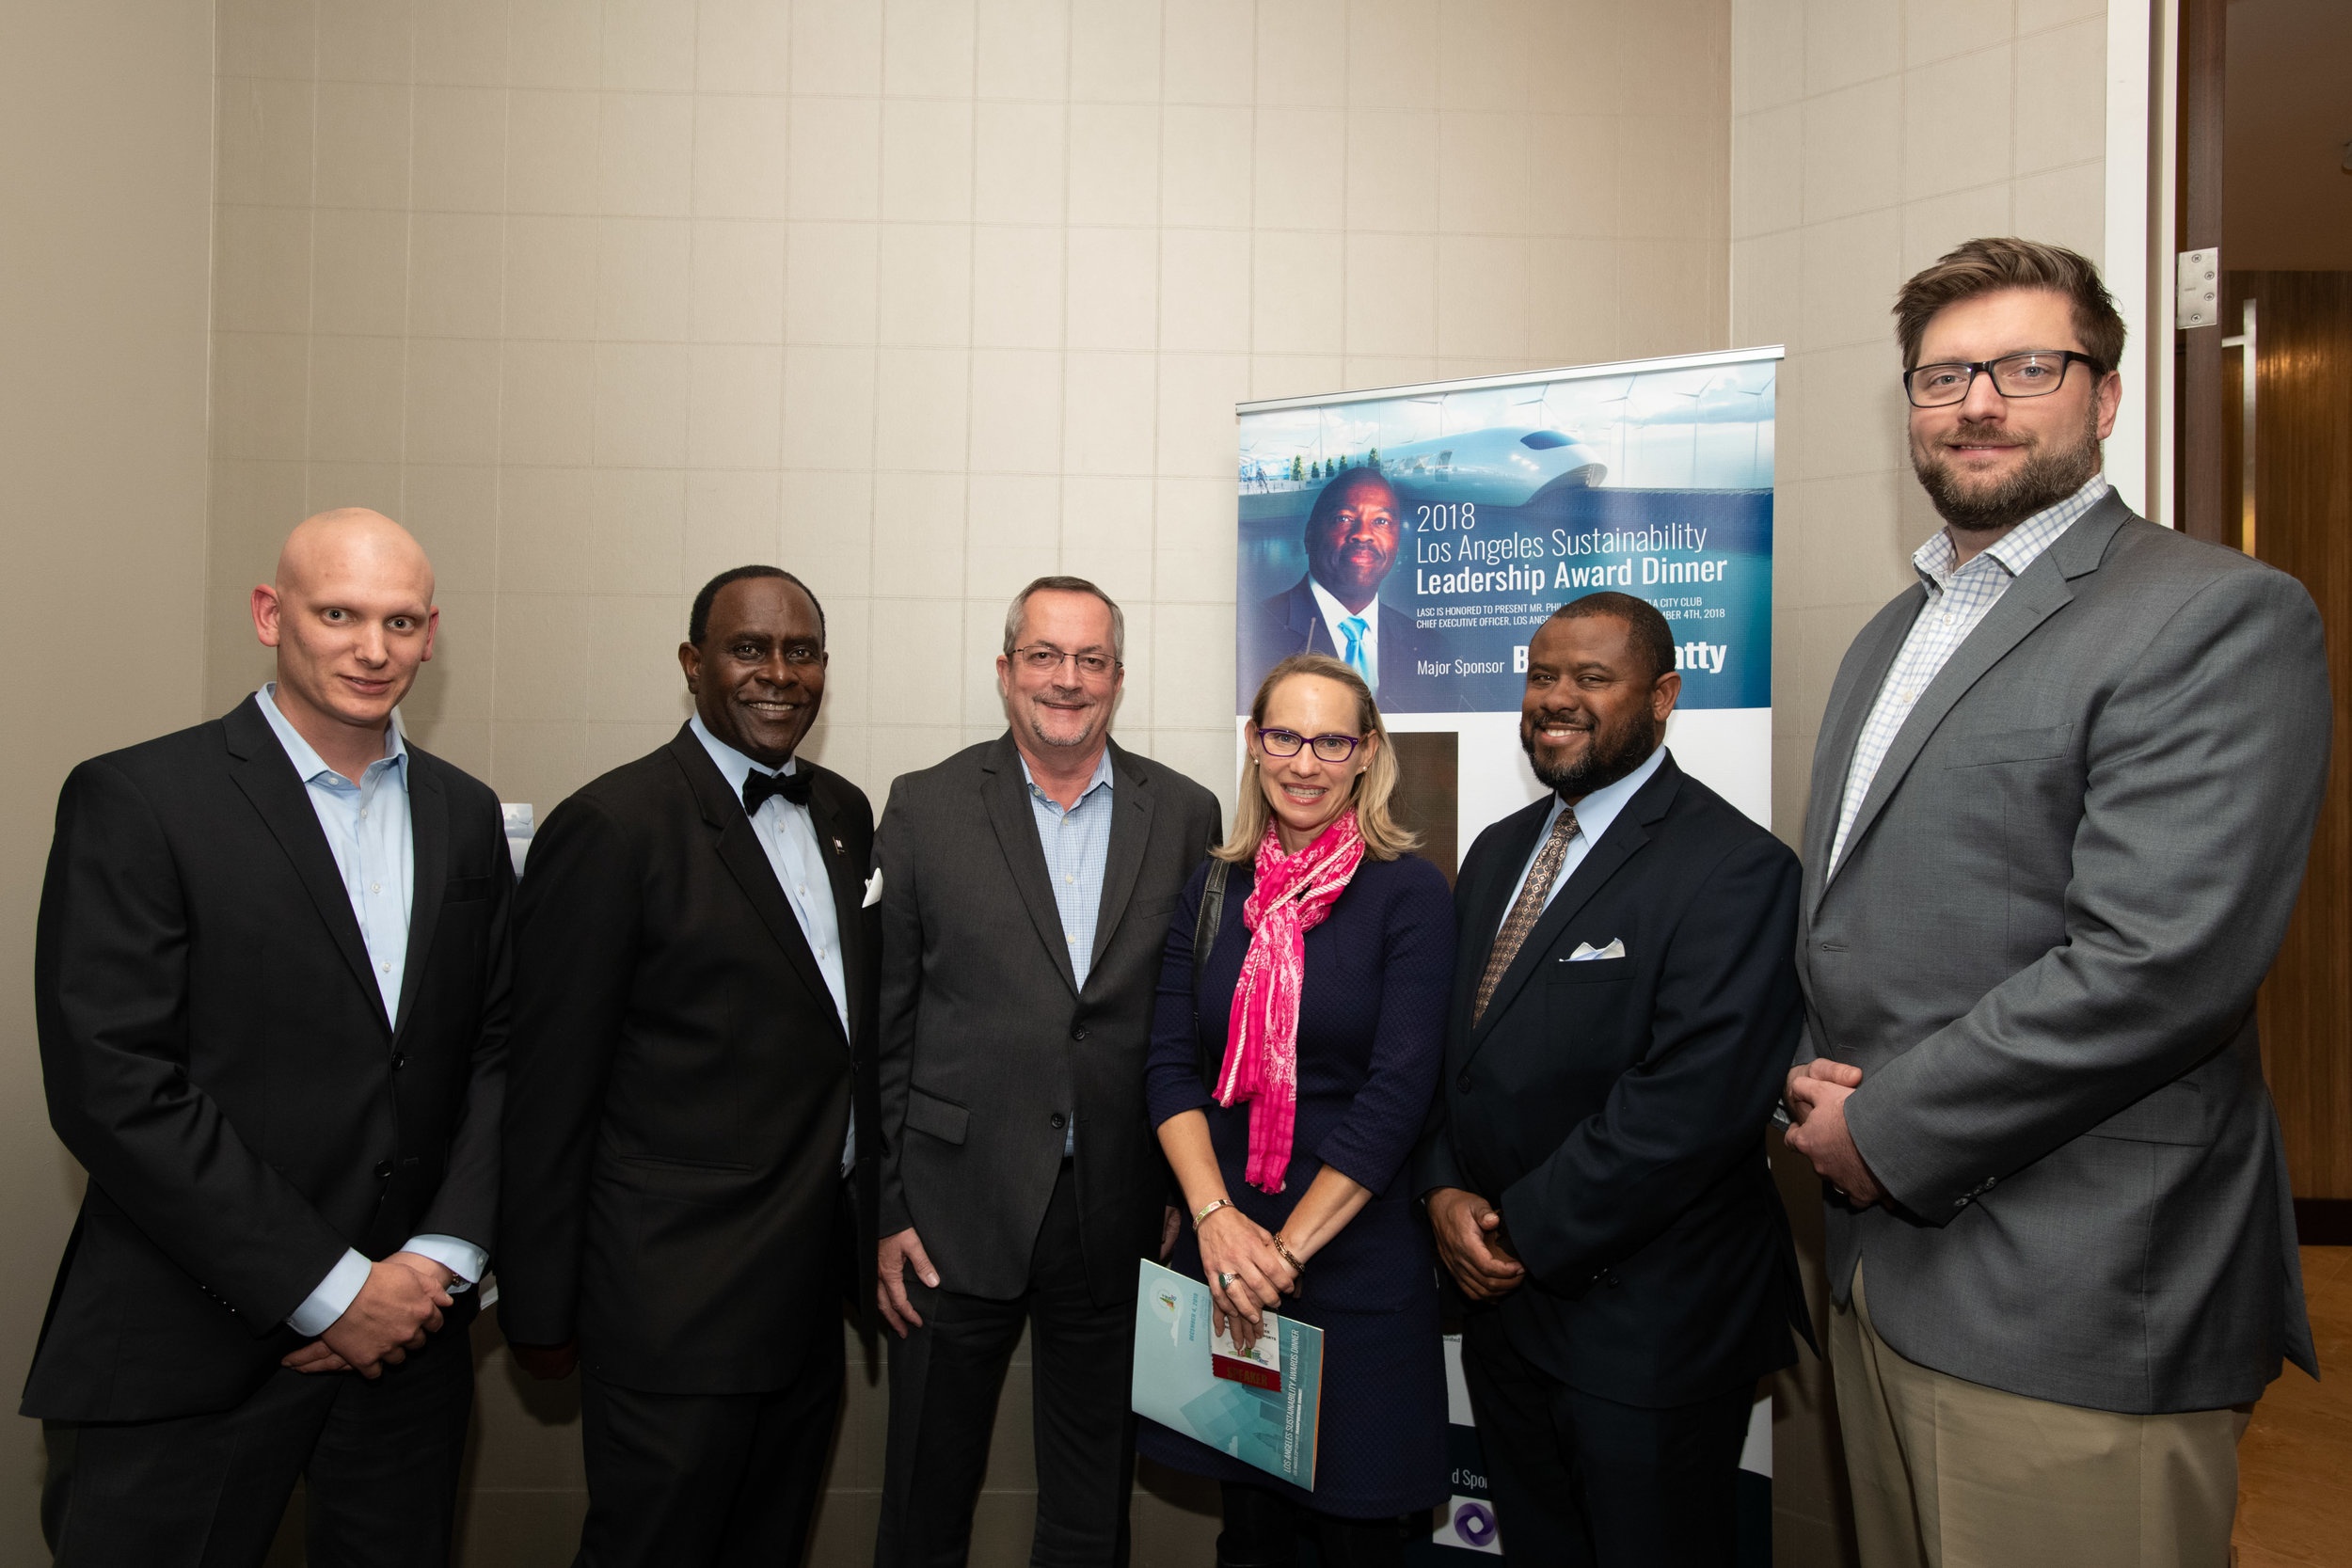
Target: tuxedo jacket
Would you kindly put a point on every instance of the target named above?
(1613, 1109)
(990, 1047)
(2058, 900)
(215, 1054)
(682, 1084)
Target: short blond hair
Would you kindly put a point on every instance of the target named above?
(1385, 837)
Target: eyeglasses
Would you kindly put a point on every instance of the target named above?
(1045, 659)
(2036, 373)
(1329, 748)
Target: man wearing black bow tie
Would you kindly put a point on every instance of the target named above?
(692, 1120)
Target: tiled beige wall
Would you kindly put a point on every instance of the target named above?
(916, 298)
(105, 222)
(1869, 136)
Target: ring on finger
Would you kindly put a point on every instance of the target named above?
(1225, 1281)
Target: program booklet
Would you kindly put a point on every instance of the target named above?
(1257, 1402)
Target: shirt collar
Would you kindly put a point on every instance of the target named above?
(1596, 811)
(1102, 780)
(733, 763)
(2015, 550)
(305, 756)
(1334, 612)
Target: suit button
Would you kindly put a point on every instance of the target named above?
(1463, 1082)
(1077, 1033)
(1059, 1119)
(399, 1061)
(383, 1170)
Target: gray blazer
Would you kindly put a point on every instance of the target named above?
(988, 1045)
(2041, 948)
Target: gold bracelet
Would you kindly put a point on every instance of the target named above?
(1210, 1208)
(1296, 1267)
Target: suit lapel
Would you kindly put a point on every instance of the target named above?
(1841, 731)
(2039, 593)
(1623, 840)
(739, 850)
(266, 776)
(428, 836)
(849, 892)
(1307, 619)
(1006, 792)
(1132, 807)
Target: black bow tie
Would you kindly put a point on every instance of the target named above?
(794, 786)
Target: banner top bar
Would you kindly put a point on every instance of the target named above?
(1523, 378)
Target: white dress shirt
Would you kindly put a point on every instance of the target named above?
(367, 828)
(1959, 599)
(1334, 613)
(788, 835)
(1594, 813)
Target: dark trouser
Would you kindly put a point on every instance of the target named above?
(1586, 1482)
(379, 1459)
(1262, 1530)
(707, 1480)
(945, 1381)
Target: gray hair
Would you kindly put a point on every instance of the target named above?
(1066, 585)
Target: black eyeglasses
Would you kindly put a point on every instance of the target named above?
(1329, 748)
(2035, 374)
(1046, 658)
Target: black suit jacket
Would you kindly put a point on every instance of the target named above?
(1292, 623)
(989, 1046)
(215, 1054)
(1613, 1109)
(681, 1084)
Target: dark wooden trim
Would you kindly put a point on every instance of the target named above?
(2204, 511)
(2324, 1221)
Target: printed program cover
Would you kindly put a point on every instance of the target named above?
(1258, 1404)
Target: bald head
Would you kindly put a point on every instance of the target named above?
(351, 615)
(353, 540)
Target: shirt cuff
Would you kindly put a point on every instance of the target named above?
(460, 1258)
(333, 1297)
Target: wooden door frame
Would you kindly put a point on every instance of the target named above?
(2201, 504)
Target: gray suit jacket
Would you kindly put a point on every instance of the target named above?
(988, 1045)
(2041, 948)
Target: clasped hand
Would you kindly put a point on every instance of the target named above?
(1233, 1244)
(1471, 1240)
(400, 1304)
(1816, 1096)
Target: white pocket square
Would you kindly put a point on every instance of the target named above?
(873, 891)
(1586, 950)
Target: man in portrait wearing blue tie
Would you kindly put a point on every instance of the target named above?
(1353, 538)
(271, 984)
(691, 1108)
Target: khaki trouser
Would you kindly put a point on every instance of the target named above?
(1952, 1474)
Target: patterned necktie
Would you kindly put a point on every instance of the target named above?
(1527, 910)
(1355, 626)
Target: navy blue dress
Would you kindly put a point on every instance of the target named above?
(1370, 1042)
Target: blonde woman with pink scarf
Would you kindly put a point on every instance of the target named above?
(1289, 1088)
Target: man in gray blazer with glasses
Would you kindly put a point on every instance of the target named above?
(2061, 800)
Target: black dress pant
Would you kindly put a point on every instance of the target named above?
(945, 1381)
(1580, 1482)
(379, 1459)
(707, 1480)
(1263, 1530)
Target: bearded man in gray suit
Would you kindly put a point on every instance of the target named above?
(2061, 804)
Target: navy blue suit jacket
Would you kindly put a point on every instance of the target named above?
(1613, 1109)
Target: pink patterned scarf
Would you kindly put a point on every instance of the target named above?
(1294, 894)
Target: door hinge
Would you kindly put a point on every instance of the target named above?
(2197, 288)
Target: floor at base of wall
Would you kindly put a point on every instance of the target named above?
(2293, 1506)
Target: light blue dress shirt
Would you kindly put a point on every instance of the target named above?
(1078, 846)
(368, 831)
(789, 837)
(1594, 813)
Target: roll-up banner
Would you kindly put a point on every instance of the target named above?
(1423, 534)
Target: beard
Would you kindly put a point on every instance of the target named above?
(1609, 757)
(2048, 476)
